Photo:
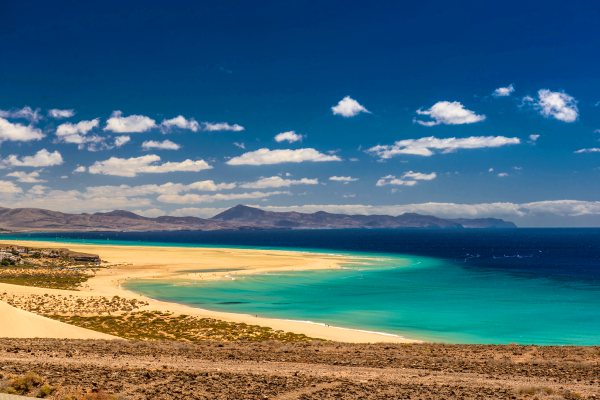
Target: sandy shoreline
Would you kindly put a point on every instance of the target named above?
(149, 262)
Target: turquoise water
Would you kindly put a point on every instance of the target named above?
(417, 297)
(474, 286)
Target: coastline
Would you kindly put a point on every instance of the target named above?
(172, 263)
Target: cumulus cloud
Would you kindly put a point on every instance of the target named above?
(289, 136)
(504, 91)
(588, 150)
(266, 156)
(419, 176)
(80, 128)
(58, 113)
(154, 189)
(117, 123)
(557, 105)
(180, 122)
(148, 164)
(428, 146)
(409, 178)
(221, 126)
(26, 177)
(42, 158)
(278, 182)
(209, 186)
(15, 132)
(28, 113)
(448, 113)
(192, 198)
(76, 133)
(122, 140)
(348, 107)
(344, 179)
(8, 187)
(164, 145)
(391, 180)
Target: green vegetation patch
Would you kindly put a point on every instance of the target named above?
(67, 279)
(155, 325)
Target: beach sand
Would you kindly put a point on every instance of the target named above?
(154, 262)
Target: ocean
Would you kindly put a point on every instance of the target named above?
(527, 286)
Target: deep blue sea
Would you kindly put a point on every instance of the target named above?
(531, 286)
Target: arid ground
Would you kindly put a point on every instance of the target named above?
(303, 370)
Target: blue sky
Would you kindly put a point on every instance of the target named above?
(462, 109)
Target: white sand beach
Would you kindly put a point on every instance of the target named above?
(154, 262)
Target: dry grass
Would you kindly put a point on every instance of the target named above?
(30, 384)
(51, 278)
(155, 325)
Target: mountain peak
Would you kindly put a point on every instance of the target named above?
(240, 212)
(120, 213)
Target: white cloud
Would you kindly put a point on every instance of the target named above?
(164, 145)
(17, 132)
(58, 113)
(23, 113)
(533, 138)
(209, 186)
(503, 174)
(448, 113)
(26, 177)
(73, 201)
(8, 187)
(240, 145)
(221, 126)
(344, 179)
(558, 105)
(565, 208)
(181, 122)
(409, 178)
(169, 188)
(427, 146)
(42, 158)
(278, 182)
(419, 176)
(75, 133)
(348, 107)
(122, 140)
(192, 198)
(148, 164)
(504, 91)
(289, 136)
(266, 156)
(80, 169)
(588, 150)
(130, 124)
(391, 180)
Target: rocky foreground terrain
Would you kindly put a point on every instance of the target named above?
(311, 370)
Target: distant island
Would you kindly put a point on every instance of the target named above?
(240, 217)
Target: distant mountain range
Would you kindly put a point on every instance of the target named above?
(238, 217)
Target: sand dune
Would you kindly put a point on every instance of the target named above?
(18, 323)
